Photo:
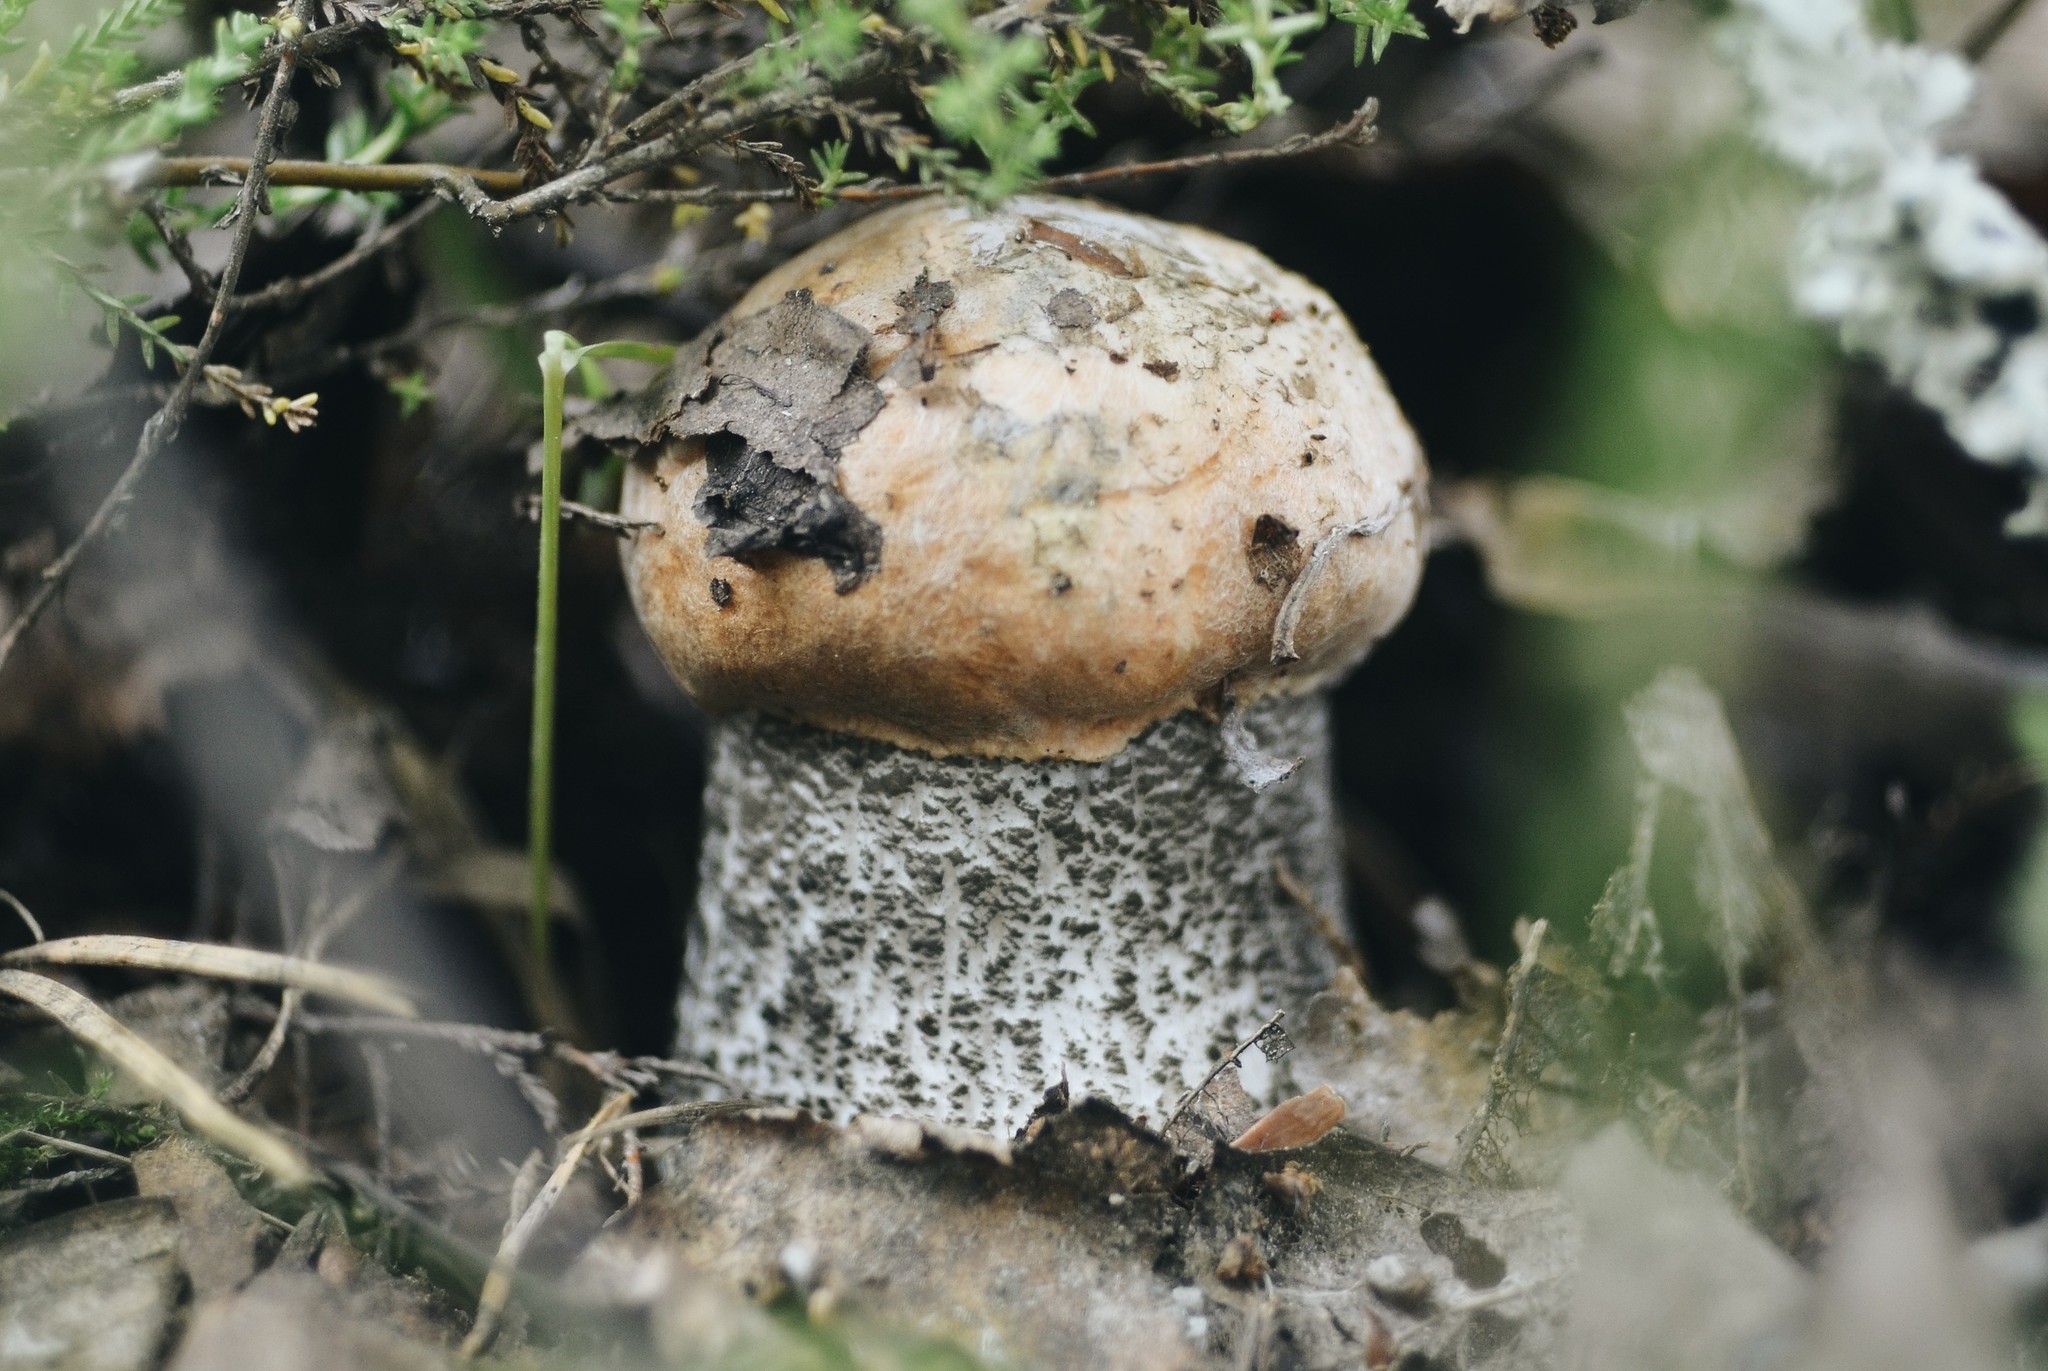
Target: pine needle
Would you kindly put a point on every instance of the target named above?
(223, 963)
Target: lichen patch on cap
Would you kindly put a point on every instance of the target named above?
(1019, 483)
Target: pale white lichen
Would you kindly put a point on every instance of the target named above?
(1907, 252)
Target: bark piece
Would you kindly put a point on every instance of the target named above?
(293, 1321)
(787, 379)
(92, 1290)
(880, 931)
(220, 1234)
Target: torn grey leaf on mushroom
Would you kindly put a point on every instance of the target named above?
(978, 526)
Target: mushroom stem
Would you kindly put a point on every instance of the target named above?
(884, 931)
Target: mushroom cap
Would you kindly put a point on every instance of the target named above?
(1088, 455)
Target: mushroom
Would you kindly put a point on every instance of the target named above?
(975, 525)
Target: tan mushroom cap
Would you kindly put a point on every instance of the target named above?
(1096, 477)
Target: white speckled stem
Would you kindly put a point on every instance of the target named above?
(881, 931)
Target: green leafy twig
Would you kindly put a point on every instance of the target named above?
(1376, 23)
(1357, 131)
(163, 426)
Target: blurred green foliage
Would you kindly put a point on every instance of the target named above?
(1691, 406)
(66, 131)
(80, 1118)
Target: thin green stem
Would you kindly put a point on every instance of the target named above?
(555, 361)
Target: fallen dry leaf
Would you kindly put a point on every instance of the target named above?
(1294, 1123)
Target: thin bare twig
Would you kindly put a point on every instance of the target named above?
(1357, 131)
(572, 91)
(636, 1173)
(475, 1037)
(162, 427)
(336, 918)
(377, 1074)
(576, 511)
(69, 1180)
(296, 288)
(526, 1182)
(1234, 1058)
(744, 195)
(497, 1289)
(685, 102)
(181, 250)
(245, 1082)
(486, 1040)
(663, 1115)
(587, 182)
(145, 93)
(1289, 618)
(474, 185)
(317, 43)
(77, 1149)
(422, 177)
